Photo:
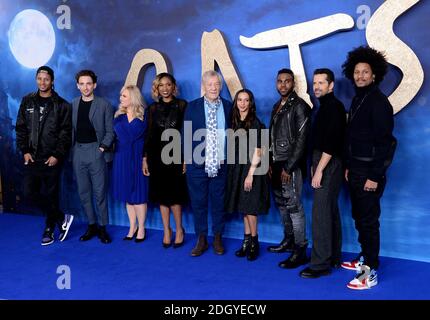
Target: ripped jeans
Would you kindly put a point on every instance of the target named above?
(288, 201)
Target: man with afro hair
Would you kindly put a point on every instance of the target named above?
(369, 149)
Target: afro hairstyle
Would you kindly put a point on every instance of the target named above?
(365, 54)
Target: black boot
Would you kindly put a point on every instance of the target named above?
(286, 245)
(245, 244)
(104, 236)
(297, 258)
(91, 232)
(254, 249)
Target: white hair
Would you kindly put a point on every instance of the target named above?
(212, 73)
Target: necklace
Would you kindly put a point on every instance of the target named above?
(352, 114)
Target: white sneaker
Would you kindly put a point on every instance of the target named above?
(365, 279)
(64, 228)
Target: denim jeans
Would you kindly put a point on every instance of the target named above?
(288, 201)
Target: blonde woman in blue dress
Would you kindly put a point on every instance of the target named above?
(129, 184)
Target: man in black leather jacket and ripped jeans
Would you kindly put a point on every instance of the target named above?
(289, 129)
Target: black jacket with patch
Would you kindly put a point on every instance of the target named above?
(49, 134)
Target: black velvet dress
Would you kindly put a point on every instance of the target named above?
(167, 184)
(256, 201)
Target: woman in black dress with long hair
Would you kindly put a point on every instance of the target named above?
(247, 190)
(167, 185)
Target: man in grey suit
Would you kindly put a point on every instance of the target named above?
(93, 136)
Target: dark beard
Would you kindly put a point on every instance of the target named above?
(287, 94)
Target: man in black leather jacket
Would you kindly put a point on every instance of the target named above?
(44, 135)
(289, 129)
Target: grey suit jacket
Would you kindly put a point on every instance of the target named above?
(101, 117)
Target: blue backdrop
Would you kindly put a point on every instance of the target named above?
(105, 36)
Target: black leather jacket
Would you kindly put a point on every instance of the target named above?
(289, 130)
(52, 136)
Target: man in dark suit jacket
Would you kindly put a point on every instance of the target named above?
(209, 117)
(93, 135)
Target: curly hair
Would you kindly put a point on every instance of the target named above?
(365, 54)
(88, 73)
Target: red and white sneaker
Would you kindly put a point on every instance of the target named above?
(366, 279)
(354, 264)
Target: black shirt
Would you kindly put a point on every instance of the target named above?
(329, 126)
(242, 146)
(161, 116)
(43, 104)
(85, 132)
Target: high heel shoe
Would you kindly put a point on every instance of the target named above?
(180, 244)
(137, 240)
(169, 244)
(133, 236)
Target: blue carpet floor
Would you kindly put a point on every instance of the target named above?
(147, 271)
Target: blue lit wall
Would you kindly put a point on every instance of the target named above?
(105, 36)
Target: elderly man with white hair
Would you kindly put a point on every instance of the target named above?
(206, 168)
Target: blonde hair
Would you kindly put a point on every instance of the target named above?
(154, 91)
(137, 103)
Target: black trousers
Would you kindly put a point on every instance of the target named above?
(326, 225)
(41, 187)
(366, 211)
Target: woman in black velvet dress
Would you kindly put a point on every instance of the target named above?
(167, 185)
(247, 190)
